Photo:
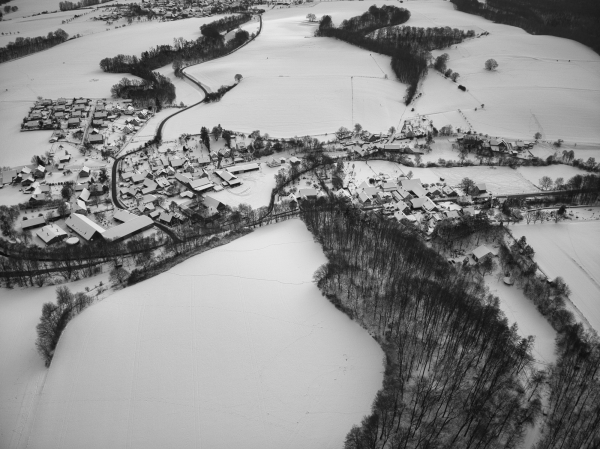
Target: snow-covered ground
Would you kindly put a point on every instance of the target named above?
(499, 180)
(296, 84)
(542, 83)
(22, 370)
(72, 70)
(569, 250)
(233, 348)
(518, 309)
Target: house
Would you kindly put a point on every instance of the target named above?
(365, 199)
(27, 181)
(85, 172)
(201, 185)
(177, 162)
(36, 199)
(95, 139)
(449, 191)
(73, 122)
(80, 207)
(84, 195)
(52, 234)
(35, 222)
(83, 226)
(295, 161)
(63, 156)
(149, 199)
(166, 218)
(481, 253)
(371, 191)
(127, 229)
(389, 186)
(479, 189)
(307, 193)
(414, 187)
(213, 205)
(423, 203)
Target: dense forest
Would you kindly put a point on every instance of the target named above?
(68, 6)
(377, 30)
(26, 45)
(456, 374)
(156, 89)
(572, 19)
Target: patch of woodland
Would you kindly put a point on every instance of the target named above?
(456, 374)
(571, 19)
(377, 30)
(23, 46)
(155, 89)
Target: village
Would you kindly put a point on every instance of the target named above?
(70, 197)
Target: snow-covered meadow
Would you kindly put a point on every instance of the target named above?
(569, 250)
(232, 348)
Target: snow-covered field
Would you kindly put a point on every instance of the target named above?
(543, 83)
(233, 348)
(569, 250)
(72, 70)
(296, 84)
(22, 370)
(518, 309)
(499, 180)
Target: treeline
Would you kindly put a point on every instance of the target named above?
(571, 19)
(409, 47)
(23, 46)
(573, 420)
(157, 89)
(68, 6)
(456, 375)
(215, 29)
(154, 90)
(55, 318)
(212, 97)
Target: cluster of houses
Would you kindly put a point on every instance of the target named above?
(56, 114)
(168, 173)
(493, 147)
(83, 227)
(175, 10)
(409, 199)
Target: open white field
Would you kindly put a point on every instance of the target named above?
(499, 180)
(518, 309)
(296, 84)
(534, 174)
(543, 83)
(232, 348)
(72, 70)
(22, 371)
(569, 250)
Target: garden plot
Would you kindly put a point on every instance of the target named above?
(296, 84)
(198, 356)
(499, 180)
(72, 70)
(569, 250)
(543, 83)
(22, 370)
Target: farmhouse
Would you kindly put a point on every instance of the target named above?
(33, 223)
(83, 226)
(481, 253)
(307, 193)
(236, 169)
(128, 228)
(73, 122)
(201, 185)
(424, 203)
(51, 234)
(479, 189)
